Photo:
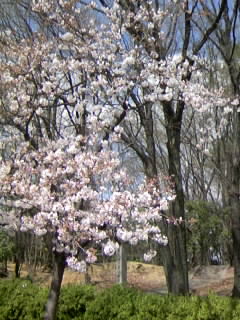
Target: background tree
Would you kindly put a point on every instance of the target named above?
(209, 237)
(225, 41)
(153, 48)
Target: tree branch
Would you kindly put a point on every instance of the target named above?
(211, 29)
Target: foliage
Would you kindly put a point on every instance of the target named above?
(152, 306)
(114, 303)
(6, 246)
(214, 307)
(207, 231)
(22, 300)
(74, 301)
(133, 305)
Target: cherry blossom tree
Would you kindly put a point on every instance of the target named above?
(80, 196)
(59, 174)
(126, 68)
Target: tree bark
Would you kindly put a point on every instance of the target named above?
(53, 297)
(235, 205)
(175, 264)
(19, 254)
(175, 257)
(17, 267)
(175, 253)
(236, 248)
(122, 265)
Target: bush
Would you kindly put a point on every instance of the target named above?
(214, 307)
(151, 307)
(73, 302)
(183, 308)
(21, 300)
(114, 303)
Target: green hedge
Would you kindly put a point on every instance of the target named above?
(74, 301)
(22, 300)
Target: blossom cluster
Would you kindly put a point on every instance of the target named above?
(61, 188)
(86, 69)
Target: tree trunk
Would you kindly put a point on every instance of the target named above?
(19, 253)
(236, 248)
(175, 257)
(175, 265)
(122, 265)
(235, 205)
(58, 271)
(17, 267)
(175, 253)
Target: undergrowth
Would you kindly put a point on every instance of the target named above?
(23, 300)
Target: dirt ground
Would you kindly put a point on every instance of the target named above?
(147, 277)
(218, 279)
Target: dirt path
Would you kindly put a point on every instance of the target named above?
(147, 277)
(203, 280)
(218, 279)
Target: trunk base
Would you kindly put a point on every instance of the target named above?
(53, 297)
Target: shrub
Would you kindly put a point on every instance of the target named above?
(114, 303)
(73, 301)
(183, 308)
(21, 300)
(220, 307)
(151, 307)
